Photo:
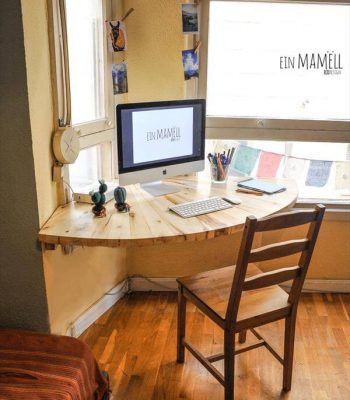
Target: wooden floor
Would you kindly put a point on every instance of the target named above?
(135, 341)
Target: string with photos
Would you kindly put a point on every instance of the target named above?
(127, 14)
(317, 174)
(190, 13)
(117, 45)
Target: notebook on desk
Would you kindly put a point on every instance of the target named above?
(261, 186)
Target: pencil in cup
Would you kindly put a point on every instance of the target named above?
(220, 165)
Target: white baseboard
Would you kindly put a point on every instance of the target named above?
(310, 285)
(96, 310)
(324, 285)
(153, 284)
(138, 284)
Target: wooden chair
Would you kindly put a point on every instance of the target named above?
(241, 297)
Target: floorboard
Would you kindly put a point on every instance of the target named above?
(135, 341)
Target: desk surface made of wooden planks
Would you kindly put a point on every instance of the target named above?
(150, 221)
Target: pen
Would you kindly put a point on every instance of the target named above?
(248, 191)
(221, 160)
(221, 168)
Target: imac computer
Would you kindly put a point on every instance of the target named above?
(158, 140)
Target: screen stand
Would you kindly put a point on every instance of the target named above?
(159, 188)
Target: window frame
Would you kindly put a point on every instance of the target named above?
(103, 125)
(265, 128)
(93, 133)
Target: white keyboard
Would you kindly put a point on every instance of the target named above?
(199, 207)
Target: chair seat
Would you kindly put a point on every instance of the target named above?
(213, 289)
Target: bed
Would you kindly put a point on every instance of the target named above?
(37, 366)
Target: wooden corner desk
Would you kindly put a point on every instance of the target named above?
(152, 223)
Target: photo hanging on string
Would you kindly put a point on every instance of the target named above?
(116, 36)
(120, 78)
(190, 21)
(190, 64)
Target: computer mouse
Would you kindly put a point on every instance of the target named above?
(232, 199)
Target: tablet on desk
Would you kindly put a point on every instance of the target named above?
(261, 186)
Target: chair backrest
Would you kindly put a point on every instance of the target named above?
(248, 255)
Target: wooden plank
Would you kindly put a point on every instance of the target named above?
(145, 348)
(152, 223)
(285, 220)
(277, 250)
(270, 278)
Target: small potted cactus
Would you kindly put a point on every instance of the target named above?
(99, 199)
(120, 197)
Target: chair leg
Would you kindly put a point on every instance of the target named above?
(289, 335)
(181, 325)
(242, 336)
(229, 351)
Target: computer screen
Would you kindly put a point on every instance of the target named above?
(158, 134)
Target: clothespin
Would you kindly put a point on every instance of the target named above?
(127, 14)
(197, 46)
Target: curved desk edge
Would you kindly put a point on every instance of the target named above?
(152, 224)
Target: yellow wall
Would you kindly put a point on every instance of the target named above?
(154, 58)
(36, 44)
(179, 259)
(155, 72)
(331, 258)
(75, 282)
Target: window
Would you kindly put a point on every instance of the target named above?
(86, 169)
(277, 70)
(86, 61)
(276, 78)
(84, 98)
(93, 163)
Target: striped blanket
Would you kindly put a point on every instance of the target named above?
(35, 366)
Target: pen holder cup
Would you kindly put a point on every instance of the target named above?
(219, 174)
